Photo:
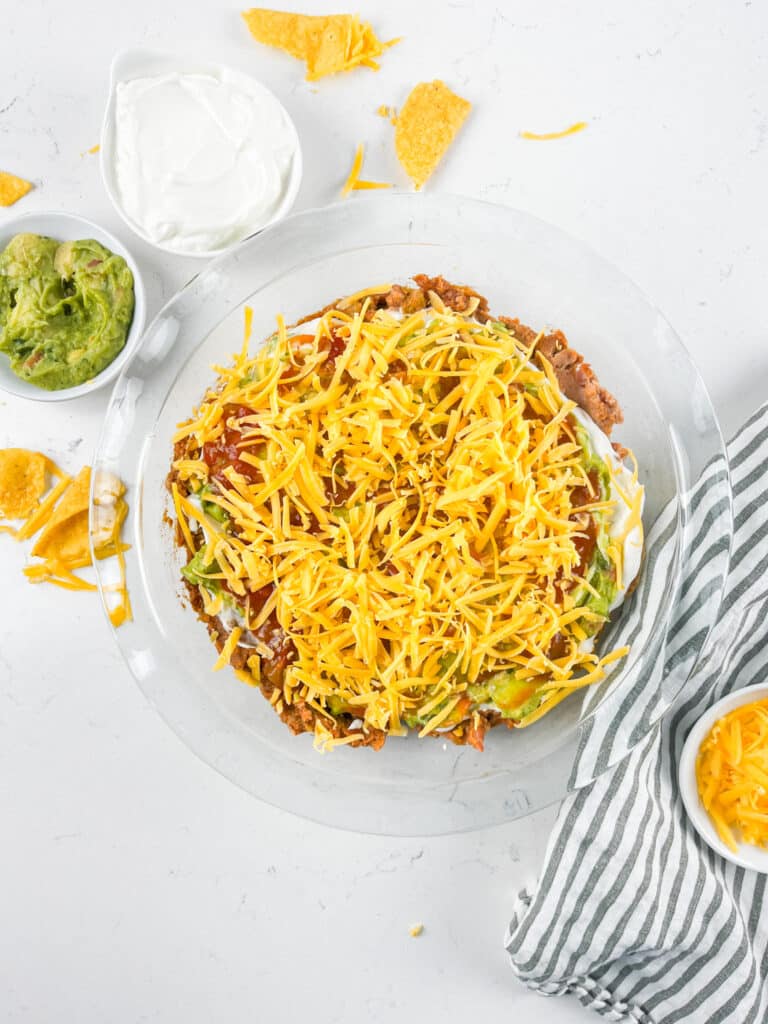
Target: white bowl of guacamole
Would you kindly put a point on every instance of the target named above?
(72, 306)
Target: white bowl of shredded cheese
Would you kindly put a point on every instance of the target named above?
(746, 855)
(195, 156)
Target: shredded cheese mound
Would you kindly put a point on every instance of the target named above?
(409, 495)
(732, 775)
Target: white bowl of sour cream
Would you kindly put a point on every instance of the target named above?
(195, 156)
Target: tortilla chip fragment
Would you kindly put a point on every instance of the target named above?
(426, 126)
(65, 536)
(12, 188)
(277, 28)
(327, 43)
(22, 481)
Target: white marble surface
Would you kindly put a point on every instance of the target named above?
(137, 884)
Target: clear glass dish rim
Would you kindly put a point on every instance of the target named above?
(218, 266)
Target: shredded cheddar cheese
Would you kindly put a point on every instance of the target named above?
(325, 741)
(361, 185)
(732, 775)
(354, 182)
(411, 501)
(43, 512)
(227, 650)
(579, 126)
(354, 172)
(59, 573)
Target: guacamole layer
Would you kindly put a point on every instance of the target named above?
(65, 309)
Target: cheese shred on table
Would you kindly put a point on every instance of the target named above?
(354, 182)
(407, 488)
(573, 129)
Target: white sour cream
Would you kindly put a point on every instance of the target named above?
(201, 160)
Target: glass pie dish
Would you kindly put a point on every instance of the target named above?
(527, 269)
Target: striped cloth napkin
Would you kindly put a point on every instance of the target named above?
(633, 913)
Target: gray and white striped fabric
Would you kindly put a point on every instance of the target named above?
(633, 913)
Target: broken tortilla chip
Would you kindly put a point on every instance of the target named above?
(22, 481)
(426, 126)
(326, 43)
(278, 28)
(65, 535)
(63, 519)
(389, 112)
(12, 188)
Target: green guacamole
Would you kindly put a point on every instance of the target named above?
(65, 309)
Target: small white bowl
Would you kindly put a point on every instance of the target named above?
(138, 63)
(747, 856)
(66, 227)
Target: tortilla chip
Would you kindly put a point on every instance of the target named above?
(65, 536)
(327, 43)
(67, 543)
(22, 482)
(277, 28)
(426, 126)
(12, 188)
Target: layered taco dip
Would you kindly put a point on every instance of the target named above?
(405, 513)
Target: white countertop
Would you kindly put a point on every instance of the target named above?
(138, 884)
